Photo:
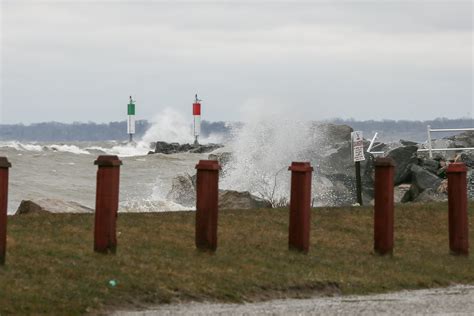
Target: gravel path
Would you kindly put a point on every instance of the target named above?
(456, 300)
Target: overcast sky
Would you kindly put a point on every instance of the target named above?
(80, 60)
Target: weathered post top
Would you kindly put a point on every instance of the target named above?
(384, 162)
(456, 167)
(208, 165)
(300, 167)
(108, 161)
(4, 163)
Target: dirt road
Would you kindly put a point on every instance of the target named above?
(456, 300)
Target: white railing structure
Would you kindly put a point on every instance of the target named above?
(371, 146)
(430, 148)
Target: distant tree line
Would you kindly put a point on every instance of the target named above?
(54, 131)
(393, 130)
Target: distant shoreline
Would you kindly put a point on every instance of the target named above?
(389, 130)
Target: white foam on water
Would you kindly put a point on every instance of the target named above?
(20, 146)
(129, 150)
(73, 149)
(96, 148)
(31, 147)
(39, 148)
(263, 149)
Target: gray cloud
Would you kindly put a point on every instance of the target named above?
(75, 60)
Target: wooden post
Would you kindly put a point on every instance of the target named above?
(457, 202)
(383, 206)
(300, 206)
(207, 195)
(106, 205)
(4, 166)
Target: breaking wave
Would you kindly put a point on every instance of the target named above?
(38, 147)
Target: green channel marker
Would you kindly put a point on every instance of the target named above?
(131, 109)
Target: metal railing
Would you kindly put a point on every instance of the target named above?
(430, 148)
(371, 146)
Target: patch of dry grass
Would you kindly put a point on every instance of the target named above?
(52, 269)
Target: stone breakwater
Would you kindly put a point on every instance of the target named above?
(174, 148)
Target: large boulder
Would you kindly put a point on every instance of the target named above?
(423, 179)
(430, 195)
(51, 206)
(235, 200)
(431, 165)
(403, 158)
(183, 190)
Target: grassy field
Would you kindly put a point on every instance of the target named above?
(52, 269)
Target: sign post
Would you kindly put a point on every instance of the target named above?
(131, 119)
(357, 151)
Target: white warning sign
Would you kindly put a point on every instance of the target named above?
(357, 141)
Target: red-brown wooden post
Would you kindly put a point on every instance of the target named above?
(300, 206)
(383, 206)
(4, 165)
(106, 205)
(207, 188)
(457, 201)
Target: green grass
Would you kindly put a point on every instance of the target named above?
(52, 269)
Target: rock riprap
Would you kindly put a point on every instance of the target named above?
(174, 148)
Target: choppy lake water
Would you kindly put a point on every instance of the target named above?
(67, 172)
